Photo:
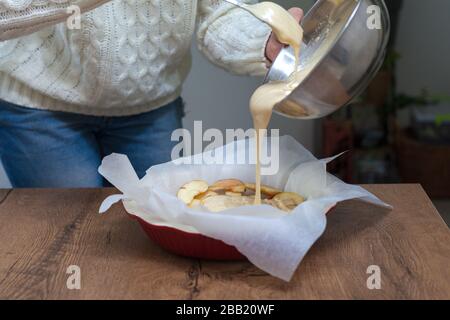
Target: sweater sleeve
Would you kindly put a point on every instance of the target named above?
(19, 18)
(232, 38)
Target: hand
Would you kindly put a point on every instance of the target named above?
(274, 46)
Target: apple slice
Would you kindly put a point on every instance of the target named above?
(224, 202)
(269, 191)
(195, 203)
(233, 194)
(190, 190)
(206, 194)
(232, 185)
(217, 203)
(287, 201)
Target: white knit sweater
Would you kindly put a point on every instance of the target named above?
(128, 57)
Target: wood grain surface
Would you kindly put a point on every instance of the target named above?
(43, 232)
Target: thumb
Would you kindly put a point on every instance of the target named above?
(297, 13)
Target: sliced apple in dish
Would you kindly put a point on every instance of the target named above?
(287, 201)
(233, 193)
(190, 190)
(224, 202)
(269, 191)
(204, 195)
(232, 185)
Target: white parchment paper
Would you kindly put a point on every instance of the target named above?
(272, 240)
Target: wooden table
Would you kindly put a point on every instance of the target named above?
(43, 232)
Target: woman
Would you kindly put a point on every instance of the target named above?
(72, 94)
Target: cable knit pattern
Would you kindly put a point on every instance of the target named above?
(130, 56)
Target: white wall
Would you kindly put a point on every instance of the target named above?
(423, 40)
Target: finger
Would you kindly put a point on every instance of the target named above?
(273, 47)
(297, 13)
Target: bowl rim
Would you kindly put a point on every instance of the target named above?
(372, 69)
(333, 43)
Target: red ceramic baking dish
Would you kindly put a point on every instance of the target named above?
(194, 245)
(185, 241)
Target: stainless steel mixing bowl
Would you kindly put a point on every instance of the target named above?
(341, 53)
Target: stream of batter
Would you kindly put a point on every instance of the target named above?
(264, 99)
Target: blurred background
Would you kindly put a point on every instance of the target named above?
(397, 131)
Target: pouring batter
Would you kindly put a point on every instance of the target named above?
(288, 31)
(266, 97)
(284, 25)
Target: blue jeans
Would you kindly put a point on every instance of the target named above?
(47, 149)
